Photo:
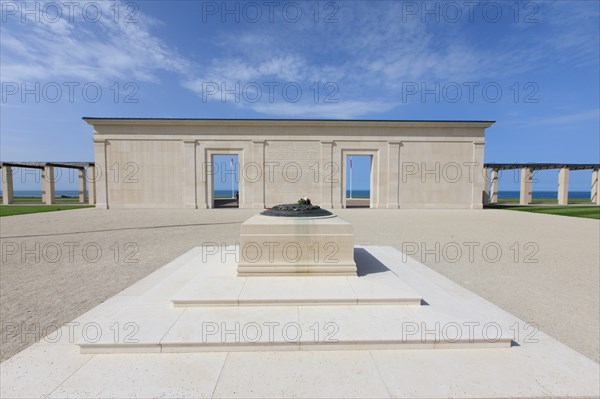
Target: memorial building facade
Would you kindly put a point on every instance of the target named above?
(169, 163)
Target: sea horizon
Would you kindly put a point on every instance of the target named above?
(355, 193)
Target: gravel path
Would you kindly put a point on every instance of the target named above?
(541, 268)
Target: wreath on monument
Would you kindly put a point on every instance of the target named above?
(303, 207)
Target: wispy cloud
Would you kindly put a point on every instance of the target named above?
(345, 110)
(561, 120)
(110, 48)
(367, 55)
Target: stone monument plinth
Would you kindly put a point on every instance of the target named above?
(296, 240)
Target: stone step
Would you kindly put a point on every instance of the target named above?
(200, 305)
(217, 285)
(272, 328)
(301, 291)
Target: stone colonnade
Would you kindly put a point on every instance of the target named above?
(86, 175)
(526, 181)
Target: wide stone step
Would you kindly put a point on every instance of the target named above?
(258, 291)
(202, 306)
(216, 284)
(272, 328)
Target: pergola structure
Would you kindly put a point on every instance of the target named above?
(527, 169)
(87, 173)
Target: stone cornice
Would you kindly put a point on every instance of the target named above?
(285, 123)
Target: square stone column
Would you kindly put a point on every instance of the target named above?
(563, 186)
(325, 178)
(595, 197)
(394, 174)
(486, 185)
(91, 179)
(334, 175)
(48, 185)
(100, 159)
(526, 186)
(201, 176)
(82, 186)
(256, 174)
(189, 174)
(494, 186)
(7, 185)
(478, 180)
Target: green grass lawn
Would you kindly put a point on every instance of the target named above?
(580, 211)
(38, 200)
(544, 200)
(11, 210)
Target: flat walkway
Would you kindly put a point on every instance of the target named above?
(477, 350)
(56, 266)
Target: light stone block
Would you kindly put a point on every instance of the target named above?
(48, 185)
(39, 370)
(147, 376)
(91, 180)
(7, 185)
(133, 330)
(234, 328)
(271, 246)
(300, 375)
(216, 284)
(494, 186)
(595, 190)
(526, 194)
(297, 291)
(563, 186)
(82, 185)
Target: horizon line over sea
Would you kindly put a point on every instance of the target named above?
(355, 193)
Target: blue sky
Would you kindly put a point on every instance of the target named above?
(531, 66)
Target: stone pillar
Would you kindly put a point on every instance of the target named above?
(189, 174)
(82, 186)
(595, 197)
(494, 187)
(379, 178)
(91, 179)
(477, 176)
(256, 174)
(325, 177)
(201, 176)
(563, 186)
(101, 161)
(394, 174)
(526, 186)
(486, 186)
(48, 185)
(7, 185)
(334, 175)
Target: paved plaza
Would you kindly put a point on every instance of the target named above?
(526, 264)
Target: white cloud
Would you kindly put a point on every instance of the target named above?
(46, 50)
(345, 110)
(560, 120)
(368, 54)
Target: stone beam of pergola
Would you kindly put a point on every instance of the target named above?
(526, 189)
(87, 172)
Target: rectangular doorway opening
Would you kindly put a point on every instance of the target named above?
(358, 181)
(225, 181)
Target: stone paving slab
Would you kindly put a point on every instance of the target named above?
(380, 287)
(304, 313)
(536, 366)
